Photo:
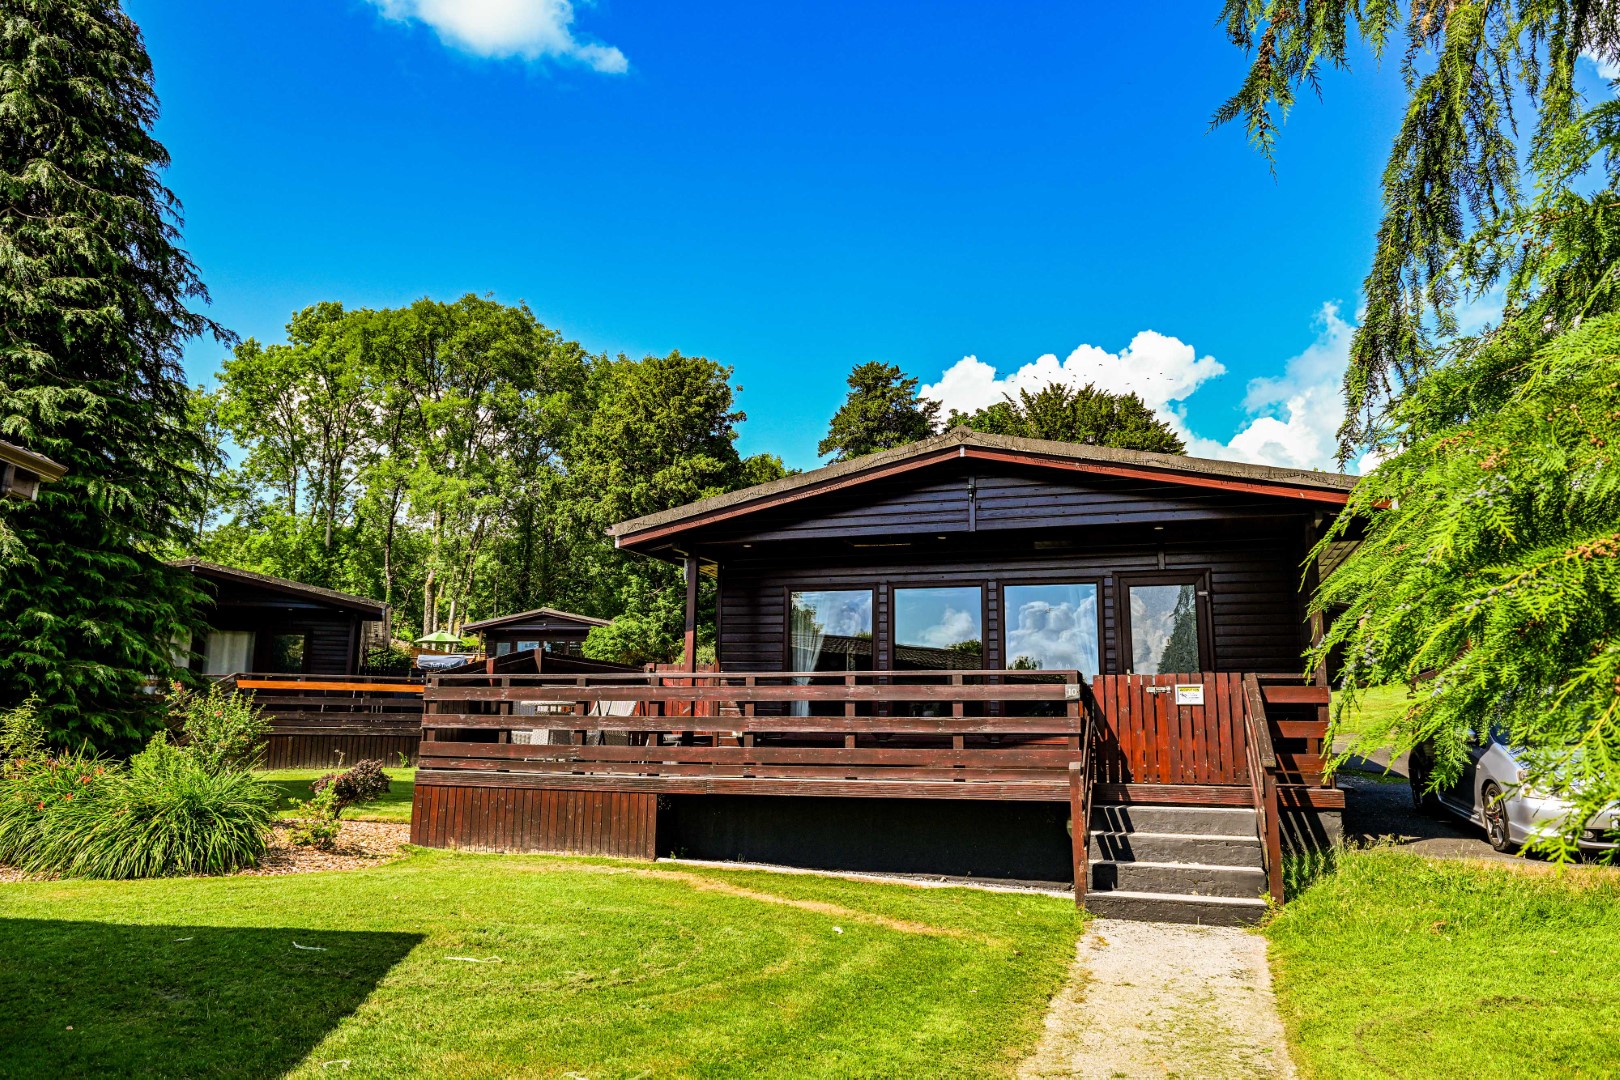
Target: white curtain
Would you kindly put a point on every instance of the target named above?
(807, 635)
(230, 652)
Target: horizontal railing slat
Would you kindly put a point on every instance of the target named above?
(785, 725)
(972, 775)
(1047, 757)
(1012, 790)
(553, 694)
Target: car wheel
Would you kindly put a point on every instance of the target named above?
(1496, 820)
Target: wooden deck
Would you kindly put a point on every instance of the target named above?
(318, 721)
(577, 762)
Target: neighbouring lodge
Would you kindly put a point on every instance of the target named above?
(269, 625)
(547, 629)
(935, 659)
(22, 471)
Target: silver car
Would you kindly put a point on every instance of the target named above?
(1492, 794)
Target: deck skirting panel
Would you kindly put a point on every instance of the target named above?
(525, 818)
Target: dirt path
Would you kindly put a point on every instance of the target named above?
(1158, 1000)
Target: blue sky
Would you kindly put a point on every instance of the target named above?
(792, 189)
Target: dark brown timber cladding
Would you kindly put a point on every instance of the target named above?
(531, 819)
(330, 751)
(1251, 575)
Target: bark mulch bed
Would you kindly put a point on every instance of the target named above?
(360, 844)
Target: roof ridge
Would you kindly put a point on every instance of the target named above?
(962, 437)
(195, 563)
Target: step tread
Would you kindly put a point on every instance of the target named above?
(1173, 806)
(1179, 898)
(1178, 865)
(1247, 838)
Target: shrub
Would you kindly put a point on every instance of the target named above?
(315, 820)
(365, 782)
(223, 730)
(36, 784)
(387, 660)
(169, 812)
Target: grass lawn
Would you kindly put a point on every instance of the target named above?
(1410, 967)
(606, 969)
(394, 806)
(1373, 703)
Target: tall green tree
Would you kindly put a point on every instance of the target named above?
(1085, 415)
(1487, 574)
(1462, 213)
(97, 303)
(663, 434)
(882, 411)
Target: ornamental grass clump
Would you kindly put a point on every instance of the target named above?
(167, 813)
(169, 810)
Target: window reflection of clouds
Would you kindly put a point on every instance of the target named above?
(1054, 626)
(1157, 613)
(840, 613)
(936, 618)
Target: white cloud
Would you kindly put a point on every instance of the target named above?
(1292, 419)
(531, 29)
(1158, 369)
(1297, 414)
(952, 628)
(1606, 68)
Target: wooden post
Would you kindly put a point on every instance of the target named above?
(1077, 831)
(691, 613)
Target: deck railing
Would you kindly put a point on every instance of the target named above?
(1000, 735)
(322, 720)
(1211, 738)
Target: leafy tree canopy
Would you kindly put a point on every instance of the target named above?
(98, 300)
(881, 412)
(1486, 577)
(1489, 577)
(1086, 415)
(1460, 217)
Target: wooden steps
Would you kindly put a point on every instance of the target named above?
(1176, 863)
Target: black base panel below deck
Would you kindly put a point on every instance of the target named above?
(1022, 841)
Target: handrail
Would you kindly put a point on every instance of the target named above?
(1262, 758)
(1082, 782)
(1053, 676)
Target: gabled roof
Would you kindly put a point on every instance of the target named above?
(1332, 489)
(539, 612)
(371, 609)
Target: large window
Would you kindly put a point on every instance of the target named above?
(830, 630)
(939, 629)
(1052, 627)
(1166, 630)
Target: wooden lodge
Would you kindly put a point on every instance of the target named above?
(545, 629)
(974, 655)
(297, 649)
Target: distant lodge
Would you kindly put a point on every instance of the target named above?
(269, 625)
(544, 628)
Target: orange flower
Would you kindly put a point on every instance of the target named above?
(42, 804)
(69, 795)
(84, 779)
